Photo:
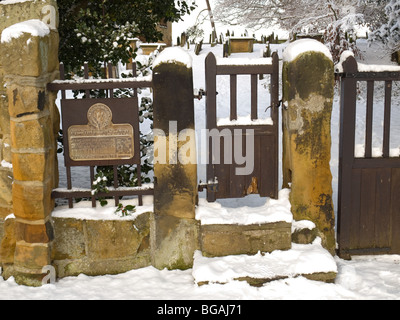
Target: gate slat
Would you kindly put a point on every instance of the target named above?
(233, 97)
(354, 218)
(388, 111)
(369, 119)
(383, 203)
(254, 97)
(367, 217)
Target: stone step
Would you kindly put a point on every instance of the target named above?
(226, 240)
(311, 261)
(226, 231)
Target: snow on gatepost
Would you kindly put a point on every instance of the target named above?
(173, 55)
(299, 47)
(34, 27)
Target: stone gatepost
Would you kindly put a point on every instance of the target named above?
(308, 90)
(175, 231)
(29, 56)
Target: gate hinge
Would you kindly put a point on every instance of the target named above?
(277, 106)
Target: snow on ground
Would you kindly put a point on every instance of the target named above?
(366, 277)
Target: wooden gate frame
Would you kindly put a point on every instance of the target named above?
(267, 136)
(368, 183)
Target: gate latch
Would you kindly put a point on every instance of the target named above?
(199, 93)
(212, 186)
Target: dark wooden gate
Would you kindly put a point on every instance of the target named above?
(263, 179)
(369, 188)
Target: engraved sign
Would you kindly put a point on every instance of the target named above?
(101, 139)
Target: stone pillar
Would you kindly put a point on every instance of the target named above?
(308, 89)
(175, 232)
(30, 62)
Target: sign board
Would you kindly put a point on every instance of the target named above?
(101, 132)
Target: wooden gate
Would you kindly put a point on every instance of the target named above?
(263, 179)
(369, 187)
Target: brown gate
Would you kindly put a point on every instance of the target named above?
(229, 140)
(369, 187)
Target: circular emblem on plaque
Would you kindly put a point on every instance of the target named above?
(99, 116)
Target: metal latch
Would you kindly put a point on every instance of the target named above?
(199, 93)
(211, 186)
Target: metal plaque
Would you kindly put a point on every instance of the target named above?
(101, 139)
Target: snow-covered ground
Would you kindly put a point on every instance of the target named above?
(362, 278)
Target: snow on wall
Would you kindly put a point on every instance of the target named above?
(172, 55)
(302, 46)
(34, 27)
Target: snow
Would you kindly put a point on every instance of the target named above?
(272, 211)
(6, 2)
(244, 121)
(363, 278)
(300, 260)
(299, 47)
(362, 67)
(172, 55)
(84, 210)
(34, 27)
(243, 61)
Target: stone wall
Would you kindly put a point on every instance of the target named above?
(100, 247)
(29, 123)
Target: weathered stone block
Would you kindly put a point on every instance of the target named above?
(32, 202)
(4, 114)
(33, 166)
(226, 240)
(6, 180)
(31, 256)
(100, 247)
(36, 133)
(36, 233)
(8, 243)
(15, 12)
(30, 56)
(174, 242)
(69, 239)
(112, 239)
(304, 236)
(25, 100)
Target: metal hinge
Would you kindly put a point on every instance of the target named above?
(277, 106)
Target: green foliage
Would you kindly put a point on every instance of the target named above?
(100, 185)
(100, 31)
(125, 211)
